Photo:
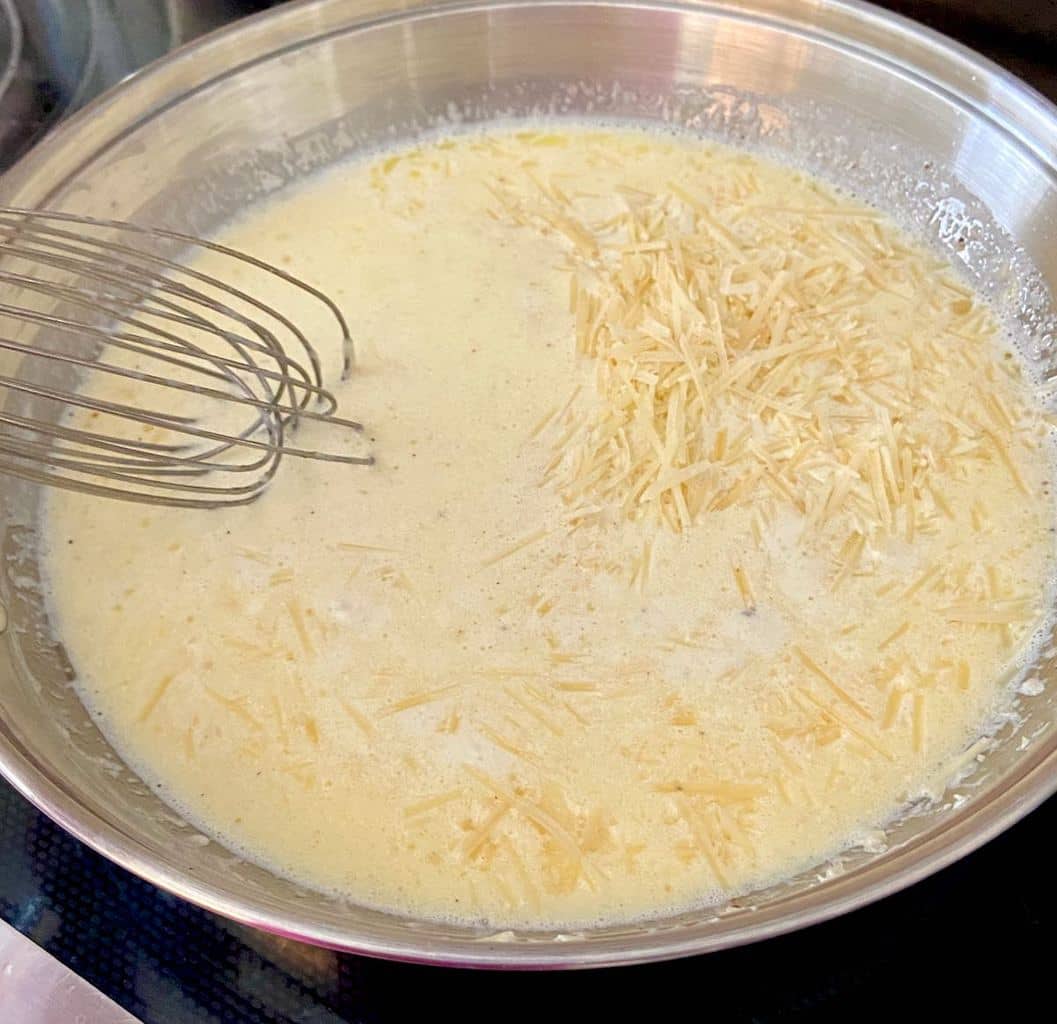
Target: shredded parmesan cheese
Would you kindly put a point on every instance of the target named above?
(707, 320)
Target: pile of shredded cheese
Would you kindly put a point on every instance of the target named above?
(745, 356)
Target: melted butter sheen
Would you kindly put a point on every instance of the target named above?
(418, 686)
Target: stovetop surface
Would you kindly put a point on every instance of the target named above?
(950, 943)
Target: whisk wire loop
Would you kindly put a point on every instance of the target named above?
(209, 381)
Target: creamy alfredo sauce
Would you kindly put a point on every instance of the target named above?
(540, 665)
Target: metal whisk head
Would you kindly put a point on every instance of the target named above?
(127, 373)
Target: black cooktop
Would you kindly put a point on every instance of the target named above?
(975, 934)
(976, 931)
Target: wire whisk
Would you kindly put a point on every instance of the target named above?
(127, 373)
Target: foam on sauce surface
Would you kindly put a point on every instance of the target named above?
(707, 524)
